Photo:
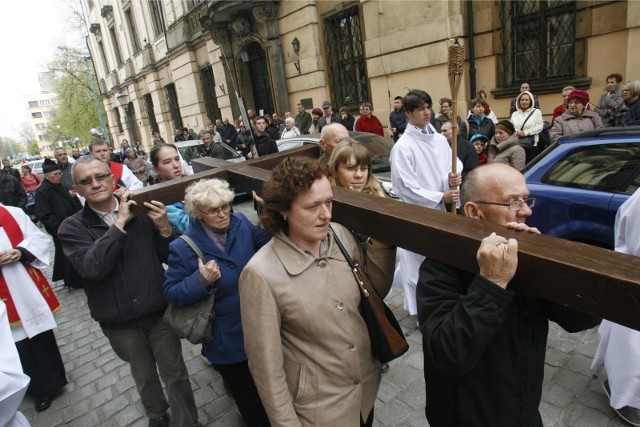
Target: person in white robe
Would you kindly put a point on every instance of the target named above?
(420, 174)
(619, 347)
(13, 381)
(31, 302)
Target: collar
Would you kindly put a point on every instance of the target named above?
(296, 260)
(109, 218)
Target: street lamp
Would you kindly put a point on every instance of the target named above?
(123, 100)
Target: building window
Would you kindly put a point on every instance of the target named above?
(33, 104)
(103, 55)
(538, 41)
(347, 72)
(116, 114)
(156, 17)
(133, 32)
(174, 108)
(41, 138)
(37, 115)
(41, 126)
(151, 115)
(116, 45)
(209, 91)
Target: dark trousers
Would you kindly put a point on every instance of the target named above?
(41, 361)
(240, 382)
(369, 421)
(151, 350)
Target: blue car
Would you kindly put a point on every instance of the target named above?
(580, 181)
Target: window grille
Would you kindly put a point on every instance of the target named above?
(156, 17)
(346, 62)
(174, 108)
(133, 32)
(151, 115)
(538, 40)
(209, 91)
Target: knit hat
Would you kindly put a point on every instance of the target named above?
(49, 166)
(316, 111)
(506, 126)
(580, 95)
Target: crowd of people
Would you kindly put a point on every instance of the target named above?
(484, 340)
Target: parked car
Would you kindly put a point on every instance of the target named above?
(35, 165)
(193, 149)
(580, 182)
(379, 147)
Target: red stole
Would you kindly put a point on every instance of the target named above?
(14, 233)
(116, 170)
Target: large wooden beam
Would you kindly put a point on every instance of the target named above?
(594, 280)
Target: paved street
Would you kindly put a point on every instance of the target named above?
(101, 391)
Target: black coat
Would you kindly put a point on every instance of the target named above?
(54, 205)
(265, 144)
(123, 274)
(303, 122)
(484, 348)
(486, 127)
(11, 191)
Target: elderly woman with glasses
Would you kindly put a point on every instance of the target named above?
(228, 240)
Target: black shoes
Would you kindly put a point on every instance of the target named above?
(43, 404)
(159, 422)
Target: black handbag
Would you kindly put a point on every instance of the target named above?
(527, 142)
(192, 321)
(387, 339)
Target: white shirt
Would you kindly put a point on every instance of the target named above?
(130, 180)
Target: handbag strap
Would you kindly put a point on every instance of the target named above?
(525, 120)
(193, 246)
(352, 264)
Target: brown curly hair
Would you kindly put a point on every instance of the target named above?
(291, 177)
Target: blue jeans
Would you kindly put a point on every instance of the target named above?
(151, 350)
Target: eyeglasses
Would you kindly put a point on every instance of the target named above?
(98, 178)
(216, 211)
(514, 205)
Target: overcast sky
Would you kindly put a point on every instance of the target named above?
(30, 31)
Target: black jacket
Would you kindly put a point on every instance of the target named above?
(323, 120)
(123, 274)
(265, 144)
(398, 121)
(54, 205)
(228, 133)
(486, 127)
(11, 191)
(484, 348)
(303, 122)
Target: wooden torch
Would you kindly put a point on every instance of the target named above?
(455, 65)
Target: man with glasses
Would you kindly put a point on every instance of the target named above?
(123, 177)
(484, 340)
(54, 204)
(445, 117)
(120, 257)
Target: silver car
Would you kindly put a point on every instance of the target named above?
(194, 149)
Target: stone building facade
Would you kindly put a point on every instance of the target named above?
(166, 64)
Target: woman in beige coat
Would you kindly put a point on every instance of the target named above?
(308, 347)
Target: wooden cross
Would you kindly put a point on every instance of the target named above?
(594, 280)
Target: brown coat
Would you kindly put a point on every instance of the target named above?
(568, 124)
(508, 152)
(308, 347)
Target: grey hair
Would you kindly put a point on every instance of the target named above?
(566, 88)
(207, 193)
(83, 161)
(289, 120)
(634, 85)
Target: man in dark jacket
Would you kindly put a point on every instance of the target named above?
(484, 341)
(54, 204)
(7, 169)
(397, 119)
(302, 119)
(264, 143)
(120, 257)
(11, 191)
(227, 131)
(328, 116)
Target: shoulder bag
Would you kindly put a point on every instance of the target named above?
(192, 321)
(527, 142)
(387, 339)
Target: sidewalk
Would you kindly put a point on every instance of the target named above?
(101, 391)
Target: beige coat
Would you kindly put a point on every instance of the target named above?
(308, 347)
(568, 124)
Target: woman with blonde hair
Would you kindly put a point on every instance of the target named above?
(350, 167)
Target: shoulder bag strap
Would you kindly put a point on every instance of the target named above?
(525, 120)
(352, 264)
(193, 246)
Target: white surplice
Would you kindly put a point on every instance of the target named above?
(619, 347)
(420, 167)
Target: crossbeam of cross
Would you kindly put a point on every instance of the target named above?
(594, 280)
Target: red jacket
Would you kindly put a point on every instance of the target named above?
(369, 124)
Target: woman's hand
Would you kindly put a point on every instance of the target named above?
(10, 256)
(209, 272)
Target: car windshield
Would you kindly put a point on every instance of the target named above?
(195, 150)
(606, 167)
(380, 150)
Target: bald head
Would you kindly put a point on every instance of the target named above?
(331, 136)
